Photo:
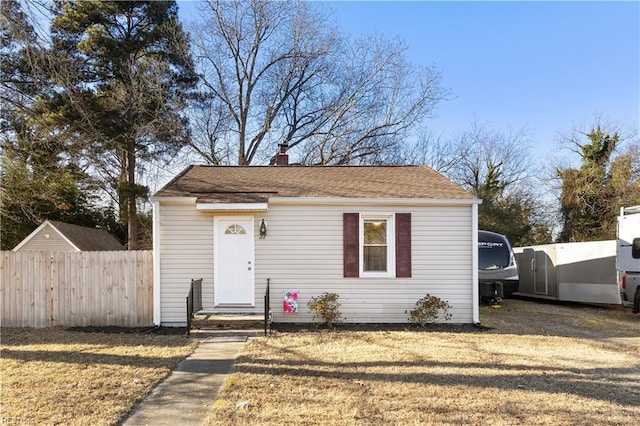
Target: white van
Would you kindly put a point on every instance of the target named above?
(498, 273)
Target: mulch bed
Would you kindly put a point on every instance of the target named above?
(347, 327)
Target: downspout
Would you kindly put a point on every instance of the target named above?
(474, 264)
(156, 264)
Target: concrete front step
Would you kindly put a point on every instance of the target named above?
(226, 335)
(227, 321)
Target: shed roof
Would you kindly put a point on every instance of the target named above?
(238, 184)
(88, 239)
(84, 238)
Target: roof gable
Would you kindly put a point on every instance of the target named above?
(256, 184)
(81, 238)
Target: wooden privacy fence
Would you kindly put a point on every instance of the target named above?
(99, 288)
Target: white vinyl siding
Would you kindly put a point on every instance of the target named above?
(303, 252)
(309, 259)
(186, 252)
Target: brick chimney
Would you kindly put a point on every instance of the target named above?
(282, 158)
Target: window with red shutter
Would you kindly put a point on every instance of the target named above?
(377, 245)
(351, 240)
(403, 245)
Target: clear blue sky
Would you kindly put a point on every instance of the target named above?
(546, 66)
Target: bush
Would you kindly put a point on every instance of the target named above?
(326, 307)
(428, 309)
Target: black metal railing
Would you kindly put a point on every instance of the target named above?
(194, 301)
(267, 308)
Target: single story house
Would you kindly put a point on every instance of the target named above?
(58, 236)
(380, 237)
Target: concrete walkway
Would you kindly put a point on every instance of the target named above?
(185, 397)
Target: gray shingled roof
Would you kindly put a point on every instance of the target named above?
(87, 239)
(229, 184)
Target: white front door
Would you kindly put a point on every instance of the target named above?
(233, 261)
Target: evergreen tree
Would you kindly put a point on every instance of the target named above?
(124, 73)
(40, 178)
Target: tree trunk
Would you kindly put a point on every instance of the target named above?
(132, 211)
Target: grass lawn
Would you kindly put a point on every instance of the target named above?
(536, 364)
(54, 376)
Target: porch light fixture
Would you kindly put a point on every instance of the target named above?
(263, 230)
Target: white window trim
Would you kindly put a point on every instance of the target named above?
(391, 245)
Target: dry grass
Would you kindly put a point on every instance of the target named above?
(53, 376)
(538, 364)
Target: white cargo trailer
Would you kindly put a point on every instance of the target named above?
(628, 256)
(576, 272)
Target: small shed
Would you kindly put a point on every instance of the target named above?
(381, 237)
(59, 236)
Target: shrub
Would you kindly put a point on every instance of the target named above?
(428, 309)
(326, 307)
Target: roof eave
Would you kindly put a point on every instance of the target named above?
(316, 201)
(176, 200)
(374, 201)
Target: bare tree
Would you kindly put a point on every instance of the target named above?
(377, 99)
(278, 73)
(496, 167)
(489, 161)
(252, 56)
(435, 151)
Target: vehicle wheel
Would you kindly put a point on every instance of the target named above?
(498, 292)
(636, 301)
(496, 299)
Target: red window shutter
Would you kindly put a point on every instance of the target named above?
(351, 241)
(403, 245)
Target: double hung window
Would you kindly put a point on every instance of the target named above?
(377, 245)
